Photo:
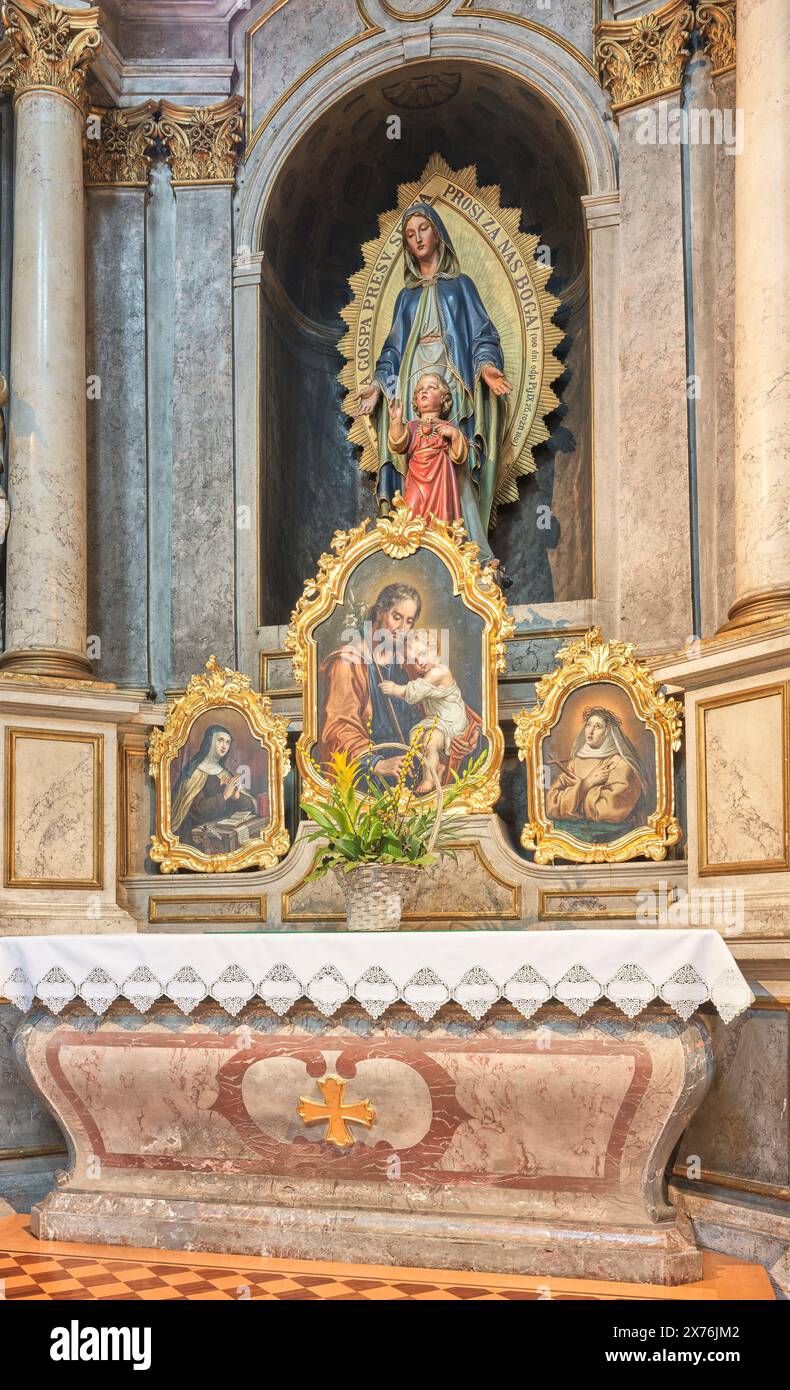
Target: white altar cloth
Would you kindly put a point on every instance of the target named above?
(685, 968)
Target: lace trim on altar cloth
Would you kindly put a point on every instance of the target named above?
(630, 989)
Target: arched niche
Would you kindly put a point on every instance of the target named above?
(306, 206)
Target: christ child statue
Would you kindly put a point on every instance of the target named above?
(432, 447)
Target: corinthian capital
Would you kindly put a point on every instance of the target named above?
(716, 24)
(645, 57)
(202, 142)
(50, 47)
(117, 146)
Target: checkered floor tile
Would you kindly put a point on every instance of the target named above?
(56, 1271)
(50, 1277)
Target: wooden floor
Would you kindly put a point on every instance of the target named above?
(54, 1270)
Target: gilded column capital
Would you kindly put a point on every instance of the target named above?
(716, 24)
(202, 142)
(51, 48)
(639, 59)
(117, 145)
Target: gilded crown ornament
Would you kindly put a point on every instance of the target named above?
(51, 47)
(645, 57)
(202, 143)
(716, 24)
(118, 144)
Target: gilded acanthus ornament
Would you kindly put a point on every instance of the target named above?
(645, 57)
(716, 24)
(117, 145)
(51, 47)
(202, 143)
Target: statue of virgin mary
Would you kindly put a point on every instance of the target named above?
(440, 325)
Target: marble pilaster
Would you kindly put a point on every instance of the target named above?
(202, 148)
(762, 311)
(117, 171)
(655, 547)
(46, 562)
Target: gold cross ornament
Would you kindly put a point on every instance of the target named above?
(337, 1115)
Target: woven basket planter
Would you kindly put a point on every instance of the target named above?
(374, 895)
(374, 892)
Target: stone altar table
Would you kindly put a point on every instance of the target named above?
(489, 1101)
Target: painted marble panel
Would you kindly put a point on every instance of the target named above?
(137, 815)
(55, 785)
(463, 895)
(655, 578)
(292, 38)
(203, 578)
(24, 1123)
(117, 482)
(741, 1128)
(573, 19)
(744, 791)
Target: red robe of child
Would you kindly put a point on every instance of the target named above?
(431, 484)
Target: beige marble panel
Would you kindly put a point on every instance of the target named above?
(743, 801)
(137, 813)
(55, 809)
(652, 509)
(461, 894)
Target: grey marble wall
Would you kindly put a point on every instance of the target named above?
(310, 483)
(204, 509)
(24, 1125)
(740, 1130)
(116, 419)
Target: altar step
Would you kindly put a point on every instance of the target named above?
(54, 1270)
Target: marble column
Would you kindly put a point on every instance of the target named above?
(52, 48)
(762, 317)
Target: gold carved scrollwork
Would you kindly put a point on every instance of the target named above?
(117, 145)
(400, 535)
(216, 689)
(584, 663)
(645, 57)
(51, 48)
(202, 142)
(716, 24)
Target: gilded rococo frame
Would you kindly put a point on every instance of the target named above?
(588, 661)
(399, 535)
(218, 688)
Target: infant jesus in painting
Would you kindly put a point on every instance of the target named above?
(431, 446)
(436, 689)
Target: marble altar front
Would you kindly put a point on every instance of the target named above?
(471, 1101)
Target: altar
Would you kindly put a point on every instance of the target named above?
(490, 1101)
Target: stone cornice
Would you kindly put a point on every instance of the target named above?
(202, 143)
(51, 48)
(716, 24)
(640, 59)
(118, 144)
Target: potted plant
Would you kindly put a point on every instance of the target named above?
(377, 834)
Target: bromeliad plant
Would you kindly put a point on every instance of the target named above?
(367, 821)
